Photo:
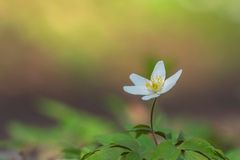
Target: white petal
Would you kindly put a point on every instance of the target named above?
(136, 90)
(138, 80)
(171, 81)
(148, 97)
(159, 70)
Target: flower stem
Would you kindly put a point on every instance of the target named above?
(151, 121)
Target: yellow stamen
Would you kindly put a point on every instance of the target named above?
(155, 84)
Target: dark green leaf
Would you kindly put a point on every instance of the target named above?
(161, 134)
(87, 155)
(120, 146)
(141, 129)
(180, 139)
(142, 126)
(190, 155)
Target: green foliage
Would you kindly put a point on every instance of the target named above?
(191, 127)
(72, 153)
(118, 107)
(166, 150)
(137, 144)
(190, 155)
(234, 154)
(73, 127)
(202, 147)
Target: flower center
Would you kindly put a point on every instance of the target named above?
(155, 84)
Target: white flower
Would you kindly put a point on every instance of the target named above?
(154, 87)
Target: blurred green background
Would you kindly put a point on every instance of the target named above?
(82, 52)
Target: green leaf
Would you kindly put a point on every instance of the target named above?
(203, 147)
(120, 146)
(72, 153)
(93, 152)
(234, 154)
(191, 155)
(87, 155)
(106, 154)
(146, 146)
(141, 129)
(163, 135)
(220, 154)
(180, 139)
(145, 129)
(181, 158)
(166, 150)
(142, 126)
(132, 156)
(124, 140)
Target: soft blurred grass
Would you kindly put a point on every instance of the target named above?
(73, 128)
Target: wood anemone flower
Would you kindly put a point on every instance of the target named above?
(154, 87)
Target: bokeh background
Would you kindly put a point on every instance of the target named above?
(81, 53)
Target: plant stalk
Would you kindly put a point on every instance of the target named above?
(151, 121)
